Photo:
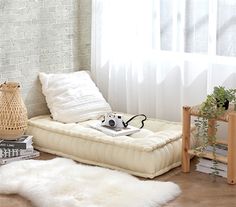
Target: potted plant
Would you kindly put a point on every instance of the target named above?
(214, 106)
(223, 96)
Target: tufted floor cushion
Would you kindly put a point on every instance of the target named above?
(153, 151)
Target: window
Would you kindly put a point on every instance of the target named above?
(180, 49)
(196, 28)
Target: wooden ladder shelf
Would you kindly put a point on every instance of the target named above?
(229, 117)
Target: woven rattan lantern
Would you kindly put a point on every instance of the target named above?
(13, 113)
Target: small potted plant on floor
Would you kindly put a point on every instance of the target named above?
(214, 106)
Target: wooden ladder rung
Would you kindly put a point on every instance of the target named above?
(208, 155)
(222, 141)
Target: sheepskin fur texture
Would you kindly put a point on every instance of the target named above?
(62, 182)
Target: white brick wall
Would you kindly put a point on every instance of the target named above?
(51, 36)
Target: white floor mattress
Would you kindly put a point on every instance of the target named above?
(153, 151)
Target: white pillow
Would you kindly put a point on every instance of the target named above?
(73, 97)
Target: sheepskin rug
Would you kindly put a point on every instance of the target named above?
(62, 182)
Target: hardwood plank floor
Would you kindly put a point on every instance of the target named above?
(198, 189)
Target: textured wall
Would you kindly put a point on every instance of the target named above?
(85, 12)
(42, 35)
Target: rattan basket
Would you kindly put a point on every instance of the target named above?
(13, 113)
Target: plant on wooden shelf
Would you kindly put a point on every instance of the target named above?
(223, 96)
(214, 106)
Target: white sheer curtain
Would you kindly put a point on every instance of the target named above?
(154, 56)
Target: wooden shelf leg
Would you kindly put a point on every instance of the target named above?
(186, 139)
(231, 174)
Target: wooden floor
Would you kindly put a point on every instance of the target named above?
(198, 190)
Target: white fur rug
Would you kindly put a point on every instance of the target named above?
(63, 183)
